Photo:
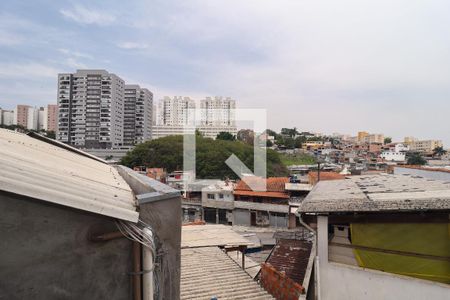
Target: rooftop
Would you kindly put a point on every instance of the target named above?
(48, 172)
(211, 235)
(275, 187)
(291, 257)
(381, 192)
(208, 272)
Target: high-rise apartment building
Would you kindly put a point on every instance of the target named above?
(138, 115)
(177, 116)
(6, 117)
(218, 111)
(176, 111)
(21, 115)
(91, 109)
(51, 117)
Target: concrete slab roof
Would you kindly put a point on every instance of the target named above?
(208, 272)
(196, 236)
(382, 192)
(48, 172)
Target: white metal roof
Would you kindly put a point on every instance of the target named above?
(208, 272)
(39, 170)
(211, 235)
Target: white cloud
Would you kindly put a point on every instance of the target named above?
(27, 71)
(9, 39)
(85, 15)
(75, 53)
(132, 45)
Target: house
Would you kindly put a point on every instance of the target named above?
(218, 202)
(75, 227)
(396, 153)
(380, 237)
(261, 208)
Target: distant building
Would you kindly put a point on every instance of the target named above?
(91, 109)
(176, 111)
(176, 116)
(138, 115)
(362, 135)
(396, 153)
(51, 117)
(218, 112)
(7, 117)
(21, 115)
(425, 146)
(373, 139)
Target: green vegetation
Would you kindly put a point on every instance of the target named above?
(387, 140)
(297, 159)
(416, 159)
(210, 156)
(439, 151)
(225, 136)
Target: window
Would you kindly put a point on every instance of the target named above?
(211, 196)
(220, 196)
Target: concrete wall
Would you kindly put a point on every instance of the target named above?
(339, 281)
(160, 207)
(165, 217)
(45, 253)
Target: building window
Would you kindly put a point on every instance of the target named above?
(211, 196)
(220, 196)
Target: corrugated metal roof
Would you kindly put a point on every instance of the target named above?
(211, 235)
(208, 272)
(39, 170)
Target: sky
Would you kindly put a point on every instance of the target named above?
(327, 66)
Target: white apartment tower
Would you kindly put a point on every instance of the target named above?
(218, 112)
(176, 111)
(138, 115)
(91, 109)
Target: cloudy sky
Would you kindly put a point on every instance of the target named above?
(328, 66)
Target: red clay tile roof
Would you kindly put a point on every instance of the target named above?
(324, 176)
(273, 184)
(262, 194)
(291, 257)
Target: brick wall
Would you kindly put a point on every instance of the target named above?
(278, 284)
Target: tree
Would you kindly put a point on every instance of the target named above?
(246, 135)
(211, 155)
(387, 140)
(225, 136)
(439, 151)
(416, 159)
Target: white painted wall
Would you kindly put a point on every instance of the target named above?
(340, 281)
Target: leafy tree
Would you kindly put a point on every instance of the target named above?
(289, 132)
(225, 136)
(211, 155)
(387, 140)
(439, 151)
(416, 159)
(269, 143)
(246, 135)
